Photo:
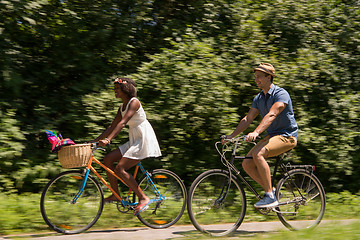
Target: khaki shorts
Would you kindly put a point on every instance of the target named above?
(275, 145)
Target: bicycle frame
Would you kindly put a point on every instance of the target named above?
(218, 196)
(124, 202)
(278, 163)
(231, 167)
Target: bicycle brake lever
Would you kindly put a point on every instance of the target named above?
(96, 146)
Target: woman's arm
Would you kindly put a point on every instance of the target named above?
(134, 106)
(119, 124)
(106, 133)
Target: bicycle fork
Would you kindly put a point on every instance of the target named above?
(82, 187)
(226, 186)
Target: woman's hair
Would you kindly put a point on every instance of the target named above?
(127, 86)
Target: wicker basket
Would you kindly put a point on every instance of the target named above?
(74, 156)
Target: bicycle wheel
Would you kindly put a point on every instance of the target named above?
(301, 199)
(58, 210)
(213, 207)
(163, 214)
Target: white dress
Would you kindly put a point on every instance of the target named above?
(142, 139)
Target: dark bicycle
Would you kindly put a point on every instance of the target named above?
(217, 201)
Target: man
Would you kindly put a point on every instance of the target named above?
(274, 105)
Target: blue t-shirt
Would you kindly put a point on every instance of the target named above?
(284, 124)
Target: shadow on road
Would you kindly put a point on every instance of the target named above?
(194, 234)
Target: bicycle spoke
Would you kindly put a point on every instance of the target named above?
(169, 209)
(303, 194)
(213, 207)
(57, 206)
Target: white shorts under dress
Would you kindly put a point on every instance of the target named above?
(142, 139)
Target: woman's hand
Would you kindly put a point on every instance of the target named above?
(104, 142)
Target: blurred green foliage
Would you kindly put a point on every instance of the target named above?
(192, 62)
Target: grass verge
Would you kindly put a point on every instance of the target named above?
(21, 214)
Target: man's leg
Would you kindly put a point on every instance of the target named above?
(258, 169)
(250, 167)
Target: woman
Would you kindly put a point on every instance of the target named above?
(142, 141)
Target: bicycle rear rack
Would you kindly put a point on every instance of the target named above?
(306, 167)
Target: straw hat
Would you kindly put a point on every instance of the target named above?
(267, 68)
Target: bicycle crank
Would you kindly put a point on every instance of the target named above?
(121, 207)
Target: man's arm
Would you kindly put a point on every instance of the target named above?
(275, 110)
(245, 122)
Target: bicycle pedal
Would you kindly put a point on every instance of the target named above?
(263, 211)
(266, 208)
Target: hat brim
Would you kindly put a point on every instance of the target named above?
(264, 70)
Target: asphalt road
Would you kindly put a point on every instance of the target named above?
(174, 232)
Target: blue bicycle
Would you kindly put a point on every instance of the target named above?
(73, 201)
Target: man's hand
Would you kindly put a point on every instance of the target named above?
(251, 137)
(225, 138)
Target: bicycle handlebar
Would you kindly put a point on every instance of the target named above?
(236, 139)
(95, 146)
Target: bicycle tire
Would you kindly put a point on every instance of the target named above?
(211, 211)
(309, 206)
(164, 213)
(60, 213)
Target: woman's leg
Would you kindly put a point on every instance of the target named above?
(121, 171)
(109, 161)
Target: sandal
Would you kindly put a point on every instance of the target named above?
(110, 199)
(142, 207)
